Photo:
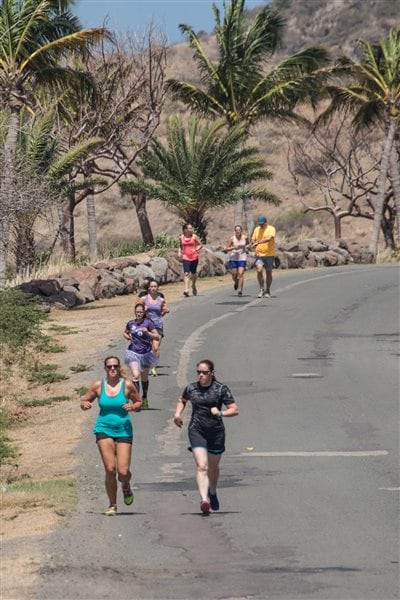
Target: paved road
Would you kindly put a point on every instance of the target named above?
(311, 512)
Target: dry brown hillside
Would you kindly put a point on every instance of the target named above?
(334, 23)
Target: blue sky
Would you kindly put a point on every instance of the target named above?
(135, 15)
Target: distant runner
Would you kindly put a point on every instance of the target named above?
(236, 245)
(263, 240)
(188, 251)
(156, 308)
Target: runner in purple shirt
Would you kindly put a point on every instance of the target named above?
(139, 356)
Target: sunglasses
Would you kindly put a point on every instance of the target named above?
(200, 372)
(109, 367)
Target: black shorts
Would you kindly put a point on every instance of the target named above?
(212, 440)
(190, 266)
(103, 436)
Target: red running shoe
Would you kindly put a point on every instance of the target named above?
(205, 507)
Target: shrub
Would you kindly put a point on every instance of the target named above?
(20, 319)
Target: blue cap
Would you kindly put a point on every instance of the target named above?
(262, 220)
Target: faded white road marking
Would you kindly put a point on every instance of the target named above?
(318, 453)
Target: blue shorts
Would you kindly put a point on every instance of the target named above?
(235, 264)
(190, 266)
(267, 261)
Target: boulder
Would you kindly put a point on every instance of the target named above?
(41, 287)
(295, 260)
(109, 286)
(86, 291)
(316, 245)
(88, 274)
(62, 301)
(159, 266)
(80, 298)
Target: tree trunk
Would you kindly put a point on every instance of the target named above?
(239, 213)
(91, 222)
(338, 226)
(395, 178)
(380, 197)
(24, 240)
(67, 227)
(139, 202)
(248, 214)
(6, 190)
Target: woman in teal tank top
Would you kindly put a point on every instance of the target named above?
(117, 397)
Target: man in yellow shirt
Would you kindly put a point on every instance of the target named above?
(263, 240)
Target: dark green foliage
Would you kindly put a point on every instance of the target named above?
(6, 450)
(201, 167)
(80, 368)
(44, 373)
(20, 319)
(44, 401)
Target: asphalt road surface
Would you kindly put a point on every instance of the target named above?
(309, 484)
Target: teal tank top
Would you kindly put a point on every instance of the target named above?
(112, 419)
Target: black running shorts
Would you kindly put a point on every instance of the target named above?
(212, 440)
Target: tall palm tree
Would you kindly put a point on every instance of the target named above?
(203, 170)
(239, 87)
(36, 39)
(372, 93)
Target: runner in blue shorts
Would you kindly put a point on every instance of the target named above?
(206, 429)
(236, 245)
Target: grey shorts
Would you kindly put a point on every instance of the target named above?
(145, 361)
(267, 261)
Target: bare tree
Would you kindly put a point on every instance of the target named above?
(344, 168)
(124, 111)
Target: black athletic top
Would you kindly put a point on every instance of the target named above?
(203, 399)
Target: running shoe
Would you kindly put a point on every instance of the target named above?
(194, 290)
(153, 372)
(145, 404)
(240, 293)
(236, 285)
(267, 295)
(186, 294)
(111, 511)
(128, 495)
(214, 502)
(261, 293)
(205, 507)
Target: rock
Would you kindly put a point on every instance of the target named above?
(63, 300)
(80, 298)
(86, 291)
(159, 266)
(41, 287)
(88, 274)
(109, 286)
(295, 260)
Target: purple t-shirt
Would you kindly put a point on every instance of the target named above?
(141, 342)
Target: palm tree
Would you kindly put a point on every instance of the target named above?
(43, 180)
(239, 88)
(373, 95)
(36, 39)
(203, 170)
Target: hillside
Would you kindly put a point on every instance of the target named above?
(336, 24)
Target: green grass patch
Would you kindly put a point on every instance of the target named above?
(81, 391)
(44, 373)
(62, 329)
(80, 368)
(59, 494)
(47, 344)
(44, 401)
(7, 451)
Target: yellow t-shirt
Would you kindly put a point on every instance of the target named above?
(267, 248)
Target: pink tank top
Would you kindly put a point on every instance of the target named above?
(188, 246)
